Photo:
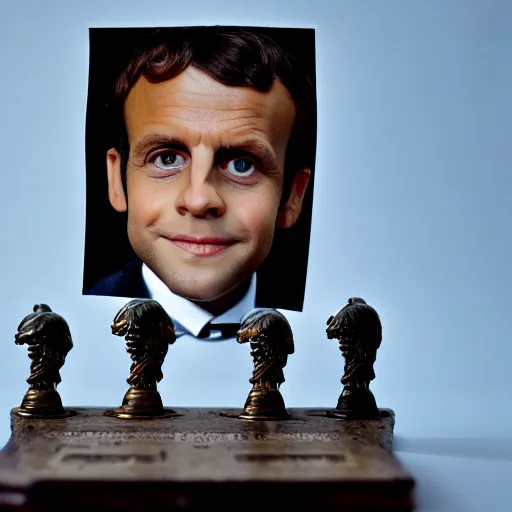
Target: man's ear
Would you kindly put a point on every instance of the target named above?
(290, 210)
(115, 182)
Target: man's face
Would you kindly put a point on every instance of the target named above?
(204, 180)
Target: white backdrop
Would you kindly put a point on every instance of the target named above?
(411, 212)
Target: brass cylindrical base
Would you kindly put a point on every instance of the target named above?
(357, 404)
(140, 404)
(264, 404)
(42, 404)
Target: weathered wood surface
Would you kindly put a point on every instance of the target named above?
(202, 460)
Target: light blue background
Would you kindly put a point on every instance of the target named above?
(412, 212)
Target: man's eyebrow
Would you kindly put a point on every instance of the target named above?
(260, 149)
(147, 142)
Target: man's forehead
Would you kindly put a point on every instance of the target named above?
(194, 98)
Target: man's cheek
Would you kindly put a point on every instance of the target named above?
(144, 207)
(261, 226)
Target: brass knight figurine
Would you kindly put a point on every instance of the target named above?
(148, 331)
(48, 338)
(271, 340)
(358, 328)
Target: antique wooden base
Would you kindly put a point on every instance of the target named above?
(203, 459)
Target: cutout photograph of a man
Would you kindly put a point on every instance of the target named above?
(210, 159)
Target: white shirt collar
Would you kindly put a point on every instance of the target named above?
(191, 316)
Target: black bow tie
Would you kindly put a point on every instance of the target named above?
(226, 330)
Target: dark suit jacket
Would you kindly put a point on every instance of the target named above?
(129, 283)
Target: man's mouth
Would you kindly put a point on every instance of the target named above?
(202, 246)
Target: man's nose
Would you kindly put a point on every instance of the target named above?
(199, 196)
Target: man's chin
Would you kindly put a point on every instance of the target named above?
(206, 293)
(214, 295)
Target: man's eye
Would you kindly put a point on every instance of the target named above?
(241, 167)
(169, 160)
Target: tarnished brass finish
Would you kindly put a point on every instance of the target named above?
(148, 331)
(139, 404)
(271, 339)
(358, 328)
(48, 338)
